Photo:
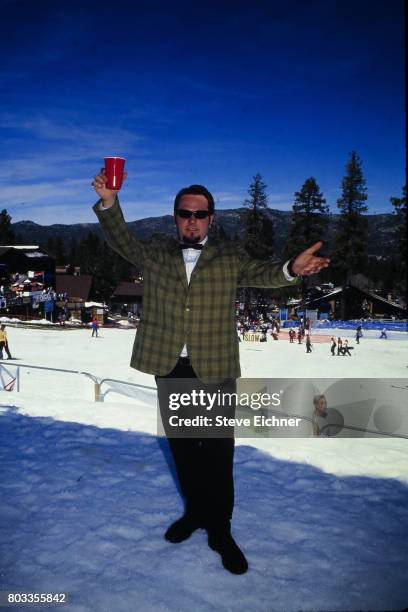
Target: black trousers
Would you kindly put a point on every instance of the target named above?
(4, 345)
(204, 464)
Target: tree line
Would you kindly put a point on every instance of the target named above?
(309, 223)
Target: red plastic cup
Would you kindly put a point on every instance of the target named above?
(114, 167)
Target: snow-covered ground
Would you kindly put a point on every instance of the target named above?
(87, 493)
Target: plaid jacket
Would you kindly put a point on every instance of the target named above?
(200, 315)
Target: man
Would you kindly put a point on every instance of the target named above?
(320, 417)
(187, 332)
(308, 343)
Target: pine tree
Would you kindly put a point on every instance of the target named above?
(400, 210)
(6, 233)
(60, 254)
(88, 251)
(50, 246)
(349, 255)
(104, 281)
(258, 237)
(257, 194)
(259, 230)
(73, 252)
(309, 219)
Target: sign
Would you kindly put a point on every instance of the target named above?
(311, 314)
(252, 336)
(283, 314)
(48, 306)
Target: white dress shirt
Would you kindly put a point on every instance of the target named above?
(190, 257)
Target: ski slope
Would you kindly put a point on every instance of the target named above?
(88, 489)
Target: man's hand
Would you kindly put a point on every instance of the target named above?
(107, 195)
(307, 263)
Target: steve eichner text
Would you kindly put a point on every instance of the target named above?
(207, 400)
(222, 421)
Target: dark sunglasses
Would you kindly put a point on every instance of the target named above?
(187, 214)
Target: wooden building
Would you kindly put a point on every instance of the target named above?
(128, 297)
(350, 302)
(76, 288)
(24, 259)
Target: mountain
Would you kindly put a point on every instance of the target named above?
(380, 242)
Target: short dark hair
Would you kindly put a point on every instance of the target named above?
(195, 190)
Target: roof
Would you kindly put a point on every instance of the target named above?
(129, 289)
(74, 286)
(383, 299)
(370, 294)
(326, 296)
(94, 304)
(21, 246)
(27, 250)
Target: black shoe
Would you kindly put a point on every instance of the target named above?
(181, 530)
(233, 559)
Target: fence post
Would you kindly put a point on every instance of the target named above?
(97, 388)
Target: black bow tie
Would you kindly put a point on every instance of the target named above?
(186, 245)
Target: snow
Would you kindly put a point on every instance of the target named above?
(87, 492)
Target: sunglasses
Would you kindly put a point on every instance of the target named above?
(187, 214)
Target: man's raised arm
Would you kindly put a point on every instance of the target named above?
(113, 225)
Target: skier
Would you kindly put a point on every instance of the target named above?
(4, 342)
(333, 346)
(94, 326)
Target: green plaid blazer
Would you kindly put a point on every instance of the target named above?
(201, 314)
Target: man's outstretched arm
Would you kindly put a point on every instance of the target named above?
(308, 263)
(264, 273)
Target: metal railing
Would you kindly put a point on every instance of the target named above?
(119, 386)
(98, 394)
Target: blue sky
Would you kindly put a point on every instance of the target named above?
(197, 92)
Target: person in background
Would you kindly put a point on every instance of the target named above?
(346, 348)
(339, 346)
(95, 327)
(308, 343)
(333, 346)
(4, 342)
